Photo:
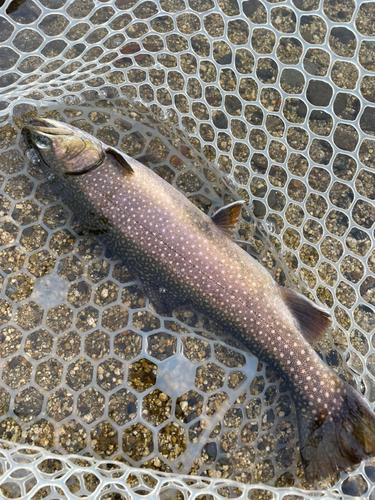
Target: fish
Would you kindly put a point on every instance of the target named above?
(184, 257)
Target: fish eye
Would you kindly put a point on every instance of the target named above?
(43, 142)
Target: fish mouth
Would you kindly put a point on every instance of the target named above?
(47, 126)
(62, 146)
(39, 123)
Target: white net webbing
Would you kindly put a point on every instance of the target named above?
(271, 102)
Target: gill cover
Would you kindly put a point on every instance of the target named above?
(63, 148)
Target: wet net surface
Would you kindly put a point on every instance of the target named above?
(270, 102)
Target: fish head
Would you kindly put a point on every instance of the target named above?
(63, 148)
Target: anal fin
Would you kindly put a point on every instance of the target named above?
(163, 301)
(312, 320)
(226, 218)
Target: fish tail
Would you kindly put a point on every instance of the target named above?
(337, 440)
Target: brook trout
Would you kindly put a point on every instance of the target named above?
(183, 256)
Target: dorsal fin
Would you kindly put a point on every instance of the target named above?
(227, 217)
(120, 159)
(313, 320)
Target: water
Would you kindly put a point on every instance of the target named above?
(274, 98)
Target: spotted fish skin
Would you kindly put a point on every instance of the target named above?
(182, 256)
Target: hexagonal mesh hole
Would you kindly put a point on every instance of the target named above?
(272, 104)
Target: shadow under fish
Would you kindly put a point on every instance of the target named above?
(184, 257)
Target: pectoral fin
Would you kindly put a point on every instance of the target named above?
(121, 160)
(49, 190)
(87, 231)
(313, 320)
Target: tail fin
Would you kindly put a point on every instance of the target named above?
(336, 442)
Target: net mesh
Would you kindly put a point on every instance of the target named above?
(271, 102)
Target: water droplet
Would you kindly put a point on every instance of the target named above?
(68, 100)
(162, 289)
(71, 100)
(164, 114)
(33, 157)
(43, 142)
(117, 40)
(262, 227)
(271, 224)
(51, 177)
